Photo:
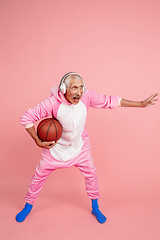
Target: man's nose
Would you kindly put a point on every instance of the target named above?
(78, 91)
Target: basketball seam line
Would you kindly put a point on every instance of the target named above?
(56, 130)
(44, 124)
(48, 131)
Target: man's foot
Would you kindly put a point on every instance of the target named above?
(24, 213)
(97, 213)
(100, 217)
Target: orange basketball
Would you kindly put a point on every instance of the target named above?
(49, 129)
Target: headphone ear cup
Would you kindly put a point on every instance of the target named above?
(63, 88)
(84, 89)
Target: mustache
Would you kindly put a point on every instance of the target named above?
(77, 95)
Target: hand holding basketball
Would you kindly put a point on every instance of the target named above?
(38, 141)
(49, 131)
(47, 145)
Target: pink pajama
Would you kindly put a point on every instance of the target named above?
(73, 148)
(48, 164)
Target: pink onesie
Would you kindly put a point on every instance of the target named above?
(73, 148)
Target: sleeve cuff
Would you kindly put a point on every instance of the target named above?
(29, 125)
(119, 102)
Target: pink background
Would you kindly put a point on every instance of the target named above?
(115, 46)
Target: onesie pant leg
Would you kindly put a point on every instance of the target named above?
(37, 183)
(84, 162)
(43, 170)
(89, 172)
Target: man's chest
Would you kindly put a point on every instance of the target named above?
(72, 117)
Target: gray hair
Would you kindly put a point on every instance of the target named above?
(70, 77)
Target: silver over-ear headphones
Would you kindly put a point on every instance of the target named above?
(62, 86)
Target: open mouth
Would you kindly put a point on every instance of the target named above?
(76, 98)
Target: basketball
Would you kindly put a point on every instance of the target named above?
(49, 129)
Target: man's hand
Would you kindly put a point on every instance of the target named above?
(150, 101)
(47, 145)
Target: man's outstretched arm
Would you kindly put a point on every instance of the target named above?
(145, 103)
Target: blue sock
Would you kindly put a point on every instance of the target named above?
(96, 212)
(24, 213)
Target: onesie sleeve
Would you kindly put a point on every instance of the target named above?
(96, 100)
(42, 110)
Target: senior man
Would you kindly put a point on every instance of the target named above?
(69, 103)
